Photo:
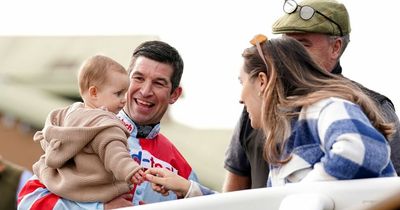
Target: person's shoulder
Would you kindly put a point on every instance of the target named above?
(331, 102)
(322, 104)
(325, 107)
(377, 97)
(95, 113)
(62, 110)
(163, 140)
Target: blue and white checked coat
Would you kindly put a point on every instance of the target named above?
(333, 140)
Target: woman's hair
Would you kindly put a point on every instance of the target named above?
(93, 71)
(296, 81)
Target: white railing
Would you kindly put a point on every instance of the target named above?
(327, 195)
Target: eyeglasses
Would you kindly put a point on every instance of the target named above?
(256, 41)
(306, 12)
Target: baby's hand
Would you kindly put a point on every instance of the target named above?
(138, 177)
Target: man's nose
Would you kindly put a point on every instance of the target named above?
(146, 88)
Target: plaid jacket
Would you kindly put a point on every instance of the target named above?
(333, 140)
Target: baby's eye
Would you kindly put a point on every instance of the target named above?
(119, 93)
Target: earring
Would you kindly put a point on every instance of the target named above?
(259, 93)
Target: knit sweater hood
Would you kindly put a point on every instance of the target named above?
(63, 139)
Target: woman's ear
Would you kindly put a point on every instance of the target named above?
(263, 80)
(92, 91)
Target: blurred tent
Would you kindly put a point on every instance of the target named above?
(38, 74)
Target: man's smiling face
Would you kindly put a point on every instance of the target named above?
(149, 92)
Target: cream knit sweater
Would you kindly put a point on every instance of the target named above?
(86, 156)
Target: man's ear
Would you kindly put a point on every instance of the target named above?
(263, 80)
(336, 48)
(175, 95)
(92, 91)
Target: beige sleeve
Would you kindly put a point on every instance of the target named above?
(111, 145)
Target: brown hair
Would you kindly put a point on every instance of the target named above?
(93, 71)
(296, 81)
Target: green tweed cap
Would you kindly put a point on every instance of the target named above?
(293, 23)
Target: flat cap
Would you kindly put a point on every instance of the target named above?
(337, 12)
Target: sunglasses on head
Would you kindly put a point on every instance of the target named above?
(257, 41)
(306, 12)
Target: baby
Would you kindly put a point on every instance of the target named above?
(86, 156)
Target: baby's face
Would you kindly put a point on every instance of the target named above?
(112, 94)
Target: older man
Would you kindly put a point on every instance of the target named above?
(155, 72)
(323, 27)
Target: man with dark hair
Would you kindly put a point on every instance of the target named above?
(155, 72)
(323, 27)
